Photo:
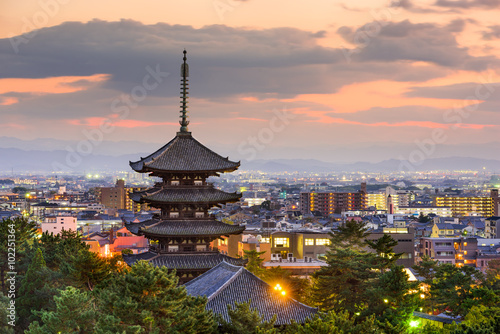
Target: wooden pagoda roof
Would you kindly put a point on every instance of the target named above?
(191, 194)
(184, 228)
(184, 261)
(184, 154)
(225, 284)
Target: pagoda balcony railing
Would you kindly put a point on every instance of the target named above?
(156, 249)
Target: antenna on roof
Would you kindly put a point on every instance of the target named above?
(184, 91)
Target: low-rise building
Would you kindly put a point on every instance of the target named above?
(55, 224)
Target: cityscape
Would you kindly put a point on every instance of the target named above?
(250, 167)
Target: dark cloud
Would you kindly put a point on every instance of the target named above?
(428, 42)
(466, 4)
(492, 33)
(408, 5)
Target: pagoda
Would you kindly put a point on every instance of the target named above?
(180, 236)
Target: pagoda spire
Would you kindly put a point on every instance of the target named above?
(184, 91)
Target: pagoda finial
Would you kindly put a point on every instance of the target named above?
(184, 91)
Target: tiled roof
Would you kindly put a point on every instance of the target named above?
(184, 154)
(183, 260)
(225, 284)
(209, 227)
(192, 194)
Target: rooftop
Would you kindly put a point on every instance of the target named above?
(225, 284)
(184, 154)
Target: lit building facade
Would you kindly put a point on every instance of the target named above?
(468, 206)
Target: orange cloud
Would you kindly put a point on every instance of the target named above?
(52, 85)
(94, 122)
(7, 101)
(422, 124)
(382, 93)
(252, 119)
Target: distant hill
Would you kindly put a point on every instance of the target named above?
(48, 161)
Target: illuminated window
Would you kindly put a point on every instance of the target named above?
(309, 242)
(322, 242)
(280, 242)
(465, 244)
(265, 240)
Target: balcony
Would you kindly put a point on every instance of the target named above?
(158, 250)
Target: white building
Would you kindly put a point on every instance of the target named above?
(55, 224)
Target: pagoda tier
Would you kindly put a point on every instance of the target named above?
(162, 196)
(184, 154)
(157, 228)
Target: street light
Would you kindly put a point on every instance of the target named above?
(414, 323)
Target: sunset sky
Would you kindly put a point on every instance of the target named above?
(331, 80)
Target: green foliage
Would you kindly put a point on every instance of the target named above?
(459, 289)
(254, 264)
(127, 251)
(24, 231)
(146, 299)
(89, 268)
(384, 247)
(335, 323)
(393, 299)
(75, 313)
(423, 218)
(244, 320)
(59, 250)
(342, 285)
(4, 321)
(352, 234)
(34, 294)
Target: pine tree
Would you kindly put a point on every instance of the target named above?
(244, 320)
(23, 230)
(4, 312)
(35, 293)
(89, 269)
(147, 299)
(335, 323)
(343, 283)
(75, 313)
(384, 247)
(254, 264)
(392, 300)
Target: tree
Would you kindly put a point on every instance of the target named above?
(147, 299)
(384, 247)
(35, 293)
(75, 313)
(352, 234)
(266, 205)
(423, 218)
(4, 312)
(343, 283)
(23, 230)
(392, 300)
(459, 289)
(254, 264)
(244, 320)
(89, 269)
(335, 323)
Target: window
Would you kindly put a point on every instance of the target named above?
(322, 242)
(265, 240)
(309, 242)
(280, 242)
